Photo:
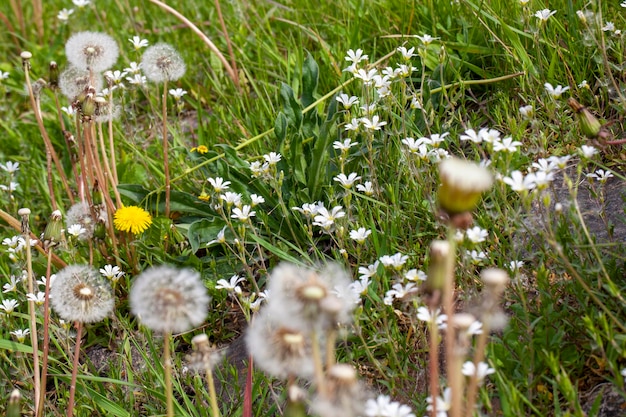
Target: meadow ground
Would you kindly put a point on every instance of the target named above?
(385, 201)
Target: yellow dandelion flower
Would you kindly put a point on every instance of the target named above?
(132, 219)
(204, 196)
(200, 149)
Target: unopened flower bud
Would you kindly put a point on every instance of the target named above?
(439, 252)
(462, 183)
(53, 81)
(88, 107)
(13, 408)
(53, 233)
(589, 124)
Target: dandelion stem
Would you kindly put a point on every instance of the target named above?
(46, 336)
(433, 353)
(166, 163)
(212, 393)
(33, 318)
(448, 305)
(479, 355)
(75, 364)
(46, 138)
(167, 369)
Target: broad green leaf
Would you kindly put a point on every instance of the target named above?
(291, 108)
(310, 78)
(280, 127)
(202, 231)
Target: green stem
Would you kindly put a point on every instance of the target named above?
(167, 368)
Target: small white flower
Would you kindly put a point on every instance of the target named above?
(518, 182)
(177, 93)
(20, 334)
(425, 315)
(65, 14)
(516, 265)
(366, 188)
(623, 371)
(138, 43)
(38, 298)
(555, 92)
(9, 306)
(436, 139)
(243, 214)
(471, 134)
(415, 275)
(231, 199)
(507, 145)
(133, 68)
(112, 272)
(356, 56)
(360, 234)
(489, 135)
(345, 145)
(347, 181)
(3, 75)
(43, 280)
(584, 84)
(443, 403)
(255, 200)
(588, 151)
(476, 256)
(608, 27)
(545, 14)
(76, 230)
(480, 372)
(601, 175)
(310, 210)
(353, 125)
(366, 272)
(416, 103)
(10, 167)
(367, 77)
(395, 261)
(218, 184)
(81, 3)
(347, 101)
(400, 292)
(231, 285)
(221, 237)
(11, 285)
(527, 112)
(476, 234)
(545, 165)
(272, 158)
(325, 219)
(373, 124)
(426, 39)
(407, 54)
(70, 111)
(137, 79)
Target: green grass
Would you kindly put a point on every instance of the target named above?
(565, 333)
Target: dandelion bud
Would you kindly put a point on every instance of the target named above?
(439, 252)
(589, 125)
(13, 408)
(24, 213)
(462, 183)
(26, 56)
(295, 402)
(558, 208)
(495, 280)
(53, 235)
(53, 81)
(88, 107)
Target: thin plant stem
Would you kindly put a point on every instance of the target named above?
(229, 44)
(166, 164)
(479, 355)
(44, 135)
(33, 316)
(75, 364)
(46, 336)
(317, 363)
(448, 305)
(231, 72)
(212, 393)
(167, 370)
(433, 354)
(38, 17)
(107, 167)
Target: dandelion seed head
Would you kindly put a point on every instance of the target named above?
(168, 299)
(80, 294)
(162, 62)
(93, 51)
